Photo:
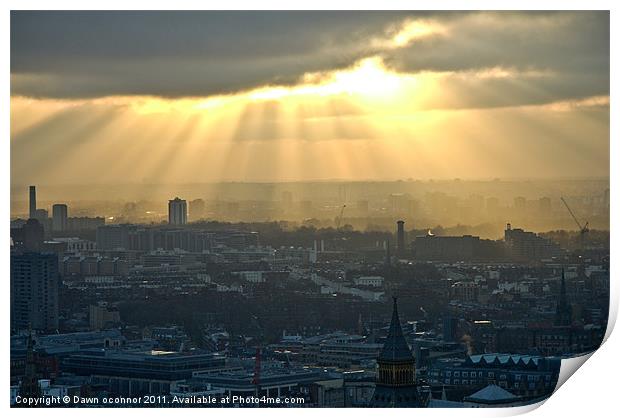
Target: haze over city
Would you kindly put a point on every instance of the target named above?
(459, 206)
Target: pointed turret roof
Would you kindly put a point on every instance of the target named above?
(395, 347)
(492, 394)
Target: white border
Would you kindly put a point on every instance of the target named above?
(591, 392)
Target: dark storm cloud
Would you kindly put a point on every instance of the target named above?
(568, 41)
(180, 53)
(172, 54)
(572, 47)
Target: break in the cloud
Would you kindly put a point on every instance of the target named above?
(108, 97)
(181, 54)
(172, 54)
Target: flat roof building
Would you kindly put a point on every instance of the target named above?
(177, 211)
(59, 217)
(34, 291)
(131, 373)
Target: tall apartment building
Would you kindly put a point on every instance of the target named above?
(177, 212)
(59, 217)
(34, 291)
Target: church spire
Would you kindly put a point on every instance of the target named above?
(395, 347)
(395, 328)
(396, 380)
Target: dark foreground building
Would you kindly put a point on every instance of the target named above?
(34, 291)
(396, 383)
(138, 373)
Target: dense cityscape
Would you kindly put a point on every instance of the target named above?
(195, 311)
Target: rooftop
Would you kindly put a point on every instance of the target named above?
(491, 394)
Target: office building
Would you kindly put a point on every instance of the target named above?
(59, 218)
(114, 237)
(464, 248)
(274, 381)
(527, 246)
(338, 350)
(135, 373)
(177, 212)
(76, 245)
(523, 375)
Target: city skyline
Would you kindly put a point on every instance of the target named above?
(479, 208)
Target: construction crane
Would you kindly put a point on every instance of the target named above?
(583, 229)
(339, 218)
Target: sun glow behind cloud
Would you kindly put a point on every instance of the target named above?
(409, 31)
(368, 78)
(370, 120)
(304, 131)
(366, 81)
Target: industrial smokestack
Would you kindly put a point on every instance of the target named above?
(400, 237)
(33, 202)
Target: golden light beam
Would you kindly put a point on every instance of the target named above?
(357, 123)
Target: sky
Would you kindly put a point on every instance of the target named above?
(174, 97)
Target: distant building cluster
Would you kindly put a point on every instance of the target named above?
(517, 245)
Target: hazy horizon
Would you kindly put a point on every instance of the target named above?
(483, 206)
(325, 180)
